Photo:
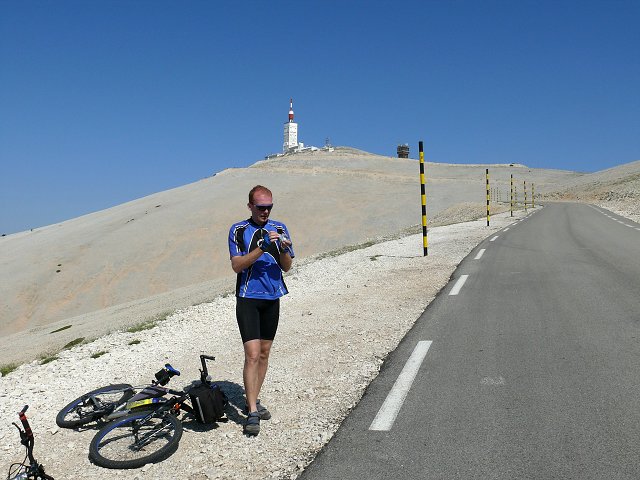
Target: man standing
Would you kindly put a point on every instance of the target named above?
(260, 251)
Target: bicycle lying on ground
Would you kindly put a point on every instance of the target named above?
(113, 401)
(152, 431)
(22, 471)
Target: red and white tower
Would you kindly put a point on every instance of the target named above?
(290, 132)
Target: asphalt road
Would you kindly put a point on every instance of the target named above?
(534, 367)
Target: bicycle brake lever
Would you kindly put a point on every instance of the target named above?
(24, 439)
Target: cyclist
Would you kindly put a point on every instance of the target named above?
(260, 250)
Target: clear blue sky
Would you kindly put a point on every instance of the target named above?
(102, 102)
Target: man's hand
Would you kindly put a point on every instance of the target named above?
(268, 239)
(285, 243)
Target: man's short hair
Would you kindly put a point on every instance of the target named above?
(259, 188)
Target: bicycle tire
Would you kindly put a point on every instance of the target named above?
(110, 451)
(68, 417)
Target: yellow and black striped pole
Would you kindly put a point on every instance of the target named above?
(425, 240)
(533, 196)
(488, 212)
(525, 195)
(512, 194)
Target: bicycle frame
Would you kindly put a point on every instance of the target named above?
(142, 399)
(147, 396)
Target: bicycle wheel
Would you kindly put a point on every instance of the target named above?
(93, 405)
(132, 442)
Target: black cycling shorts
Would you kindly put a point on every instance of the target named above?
(257, 319)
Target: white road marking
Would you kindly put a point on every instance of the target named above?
(458, 286)
(494, 238)
(506, 229)
(492, 381)
(480, 253)
(392, 404)
(621, 222)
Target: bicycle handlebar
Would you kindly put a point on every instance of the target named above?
(27, 439)
(25, 423)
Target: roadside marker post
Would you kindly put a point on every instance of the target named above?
(533, 197)
(425, 239)
(488, 210)
(525, 195)
(512, 194)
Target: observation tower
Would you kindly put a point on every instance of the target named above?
(290, 132)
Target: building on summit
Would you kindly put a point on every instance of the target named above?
(291, 144)
(290, 132)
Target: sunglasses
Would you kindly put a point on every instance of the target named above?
(264, 208)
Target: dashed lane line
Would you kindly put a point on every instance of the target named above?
(388, 412)
(458, 285)
(480, 253)
(494, 238)
(621, 222)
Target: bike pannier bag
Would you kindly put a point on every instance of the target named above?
(208, 403)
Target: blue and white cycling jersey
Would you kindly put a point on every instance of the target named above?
(263, 279)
